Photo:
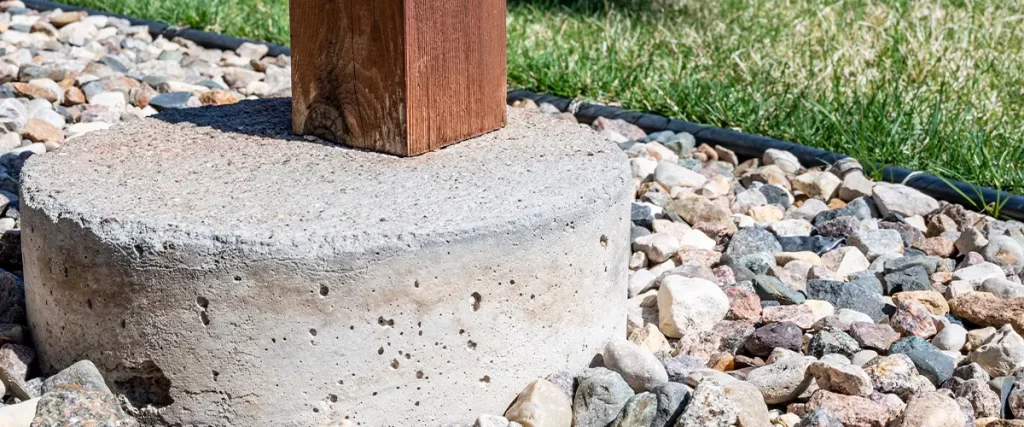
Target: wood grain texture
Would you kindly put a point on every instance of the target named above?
(398, 76)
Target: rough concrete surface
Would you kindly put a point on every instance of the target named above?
(224, 272)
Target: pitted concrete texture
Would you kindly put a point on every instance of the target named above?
(220, 271)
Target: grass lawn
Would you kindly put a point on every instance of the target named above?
(936, 85)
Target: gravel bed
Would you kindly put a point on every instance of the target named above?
(762, 292)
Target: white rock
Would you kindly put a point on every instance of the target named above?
(979, 273)
(642, 167)
(659, 247)
(845, 261)
(541, 404)
(36, 148)
(971, 240)
(639, 367)
(676, 229)
(810, 209)
(9, 141)
(79, 129)
(875, 243)
(672, 175)
(115, 101)
(783, 159)
(661, 153)
(697, 239)
(952, 337)
(238, 78)
(848, 317)
(640, 281)
(791, 228)
(19, 415)
(78, 33)
(612, 136)
(1004, 251)
(252, 50)
(855, 185)
(689, 305)
(1001, 353)
(903, 200)
(958, 288)
(819, 185)
(491, 421)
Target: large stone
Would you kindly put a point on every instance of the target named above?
(672, 399)
(852, 411)
(67, 407)
(541, 404)
(658, 247)
(913, 319)
(841, 377)
(701, 212)
(599, 398)
(985, 309)
(932, 410)
(186, 241)
(709, 407)
(639, 411)
(1001, 353)
(638, 366)
(875, 243)
(906, 201)
(979, 273)
(895, 374)
(753, 240)
(856, 295)
(688, 305)
(782, 381)
(775, 335)
(672, 175)
(819, 185)
(20, 414)
(1004, 251)
(874, 336)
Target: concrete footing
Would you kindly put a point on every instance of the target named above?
(220, 271)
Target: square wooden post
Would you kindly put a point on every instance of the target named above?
(398, 76)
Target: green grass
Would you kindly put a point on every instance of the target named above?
(935, 85)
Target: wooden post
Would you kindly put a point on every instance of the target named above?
(398, 76)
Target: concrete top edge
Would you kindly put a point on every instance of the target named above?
(237, 174)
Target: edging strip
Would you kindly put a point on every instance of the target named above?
(968, 195)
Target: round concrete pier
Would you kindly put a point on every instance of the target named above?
(223, 272)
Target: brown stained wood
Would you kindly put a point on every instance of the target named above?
(403, 77)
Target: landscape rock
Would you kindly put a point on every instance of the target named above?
(782, 381)
(875, 243)
(541, 404)
(66, 407)
(906, 201)
(599, 398)
(851, 411)
(843, 378)
(1001, 353)
(709, 407)
(637, 366)
(688, 305)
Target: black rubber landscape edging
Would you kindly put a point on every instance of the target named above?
(968, 195)
(202, 38)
